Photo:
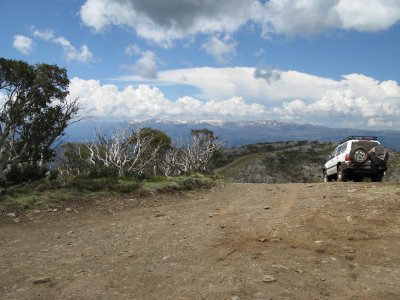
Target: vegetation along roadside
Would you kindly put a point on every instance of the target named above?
(36, 169)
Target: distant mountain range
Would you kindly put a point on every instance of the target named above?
(240, 132)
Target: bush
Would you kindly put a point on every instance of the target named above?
(193, 183)
(81, 184)
(53, 175)
(110, 184)
(26, 173)
(126, 187)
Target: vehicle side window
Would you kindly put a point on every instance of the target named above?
(339, 150)
(343, 148)
(335, 152)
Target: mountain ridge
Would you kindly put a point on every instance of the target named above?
(235, 133)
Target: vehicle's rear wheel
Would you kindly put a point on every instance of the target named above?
(327, 178)
(341, 174)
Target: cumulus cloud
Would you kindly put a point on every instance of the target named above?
(291, 95)
(357, 97)
(71, 53)
(368, 15)
(165, 21)
(310, 17)
(146, 66)
(23, 44)
(223, 83)
(107, 101)
(222, 49)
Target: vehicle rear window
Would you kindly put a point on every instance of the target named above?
(367, 145)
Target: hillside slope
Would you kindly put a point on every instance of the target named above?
(284, 162)
(239, 241)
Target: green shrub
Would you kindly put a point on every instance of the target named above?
(126, 187)
(25, 173)
(193, 183)
(110, 184)
(81, 184)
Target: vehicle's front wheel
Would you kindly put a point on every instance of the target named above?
(327, 178)
(341, 174)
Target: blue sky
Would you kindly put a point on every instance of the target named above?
(332, 62)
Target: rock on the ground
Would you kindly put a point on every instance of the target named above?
(269, 278)
(41, 280)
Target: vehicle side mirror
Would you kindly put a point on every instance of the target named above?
(330, 156)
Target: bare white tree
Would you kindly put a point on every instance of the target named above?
(192, 155)
(127, 150)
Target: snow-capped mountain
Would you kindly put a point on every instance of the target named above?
(240, 132)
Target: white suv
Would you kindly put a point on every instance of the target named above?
(355, 158)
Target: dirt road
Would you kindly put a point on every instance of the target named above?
(238, 241)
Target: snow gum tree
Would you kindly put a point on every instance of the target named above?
(34, 112)
(128, 151)
(193, 155)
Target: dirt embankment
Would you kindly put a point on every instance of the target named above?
(239, 241)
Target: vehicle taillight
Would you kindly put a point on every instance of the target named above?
(347, 157)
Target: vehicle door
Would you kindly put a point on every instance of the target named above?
(331, 164)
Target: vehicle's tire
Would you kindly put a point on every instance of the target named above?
(341, 174)
(378, 155)
(327, 178)
(377, 177)
(359, 155)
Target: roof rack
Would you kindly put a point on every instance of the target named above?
(359, 137)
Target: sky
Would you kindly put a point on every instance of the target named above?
(331, 62)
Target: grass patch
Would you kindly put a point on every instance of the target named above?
(181, 183)
(150, 187)
(49, 194)
(39, 198)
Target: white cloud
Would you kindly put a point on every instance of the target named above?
(165, 21)
(23, 44)
(132, 49)
(310, 17)
(71, 53)
(107, 101)
(46, 35)
(223, 83)
(357, 97)
(221, 49)
(290, 95)
(305, 18)
(146, 66)
(368, 15)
